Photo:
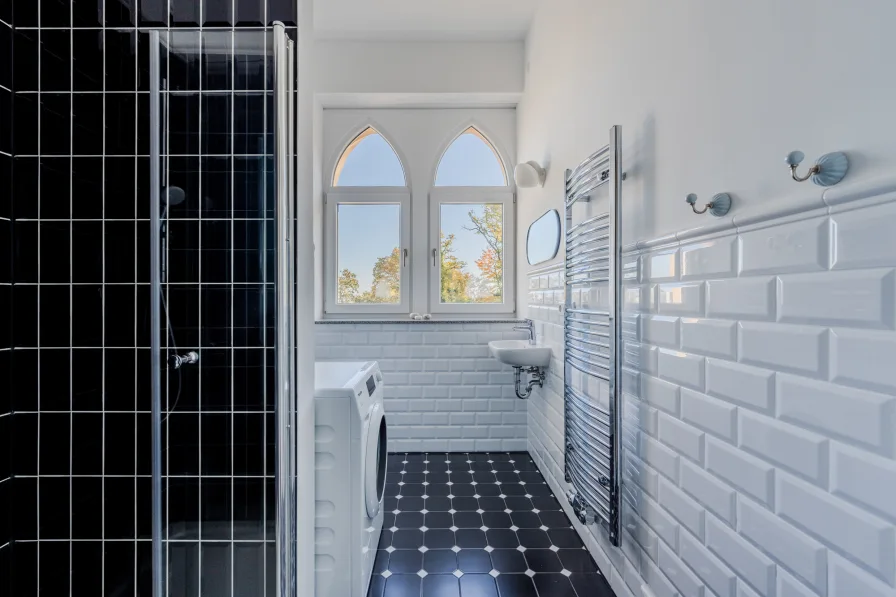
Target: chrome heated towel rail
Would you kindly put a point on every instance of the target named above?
(593, 339)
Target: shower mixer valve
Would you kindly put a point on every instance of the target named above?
(178, 361)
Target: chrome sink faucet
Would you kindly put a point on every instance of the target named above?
(529, 326)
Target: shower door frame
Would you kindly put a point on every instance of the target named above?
(285, 345)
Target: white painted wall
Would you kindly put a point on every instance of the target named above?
(420, 137)
(711, 95)
(412, 19)
(394, 67)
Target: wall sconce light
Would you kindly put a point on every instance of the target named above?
(529, 175)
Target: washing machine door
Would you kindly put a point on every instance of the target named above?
(375, 465)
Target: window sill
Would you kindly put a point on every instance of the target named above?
(414, 321)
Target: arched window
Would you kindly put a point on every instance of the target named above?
(471, 161)
(369, 161)
(471, 222)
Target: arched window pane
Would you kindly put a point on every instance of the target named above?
(369, 161)
(471, 161)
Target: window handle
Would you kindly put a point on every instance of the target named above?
(434, 255)
(405, 257)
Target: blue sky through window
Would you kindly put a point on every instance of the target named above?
(371, 163)
(470, 162)
(366, 233)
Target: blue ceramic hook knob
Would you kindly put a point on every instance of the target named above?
(794, 158)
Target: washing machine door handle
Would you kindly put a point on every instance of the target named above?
(376, 459)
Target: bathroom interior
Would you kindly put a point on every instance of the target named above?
(347, 298)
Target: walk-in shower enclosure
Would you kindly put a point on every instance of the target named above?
(151, 217)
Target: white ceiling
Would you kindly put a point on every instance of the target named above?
(423, 19)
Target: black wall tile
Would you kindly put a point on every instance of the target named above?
(6, 111)
(87, 123)
(154, 13)
(54, 200)
(55, 60)
(6, 11)
(26, 50)
(25, 137)
(55, 123)
(121, 113)
(87, 13)
(120, 51)
(24, 13)
(55, 13)
(121, 13)
(87, 252)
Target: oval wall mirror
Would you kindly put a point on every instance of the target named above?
(543, 240)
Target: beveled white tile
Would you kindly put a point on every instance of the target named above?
(741, 298)
(799, 246)
(864, 237)
(859, 357)
(660, 330)
(661, 266)
(741, 384)
(795, 348)
(861, 417)
(712, 258)
(860, 298)
(682, 368)
(680, 299)
(713, 337)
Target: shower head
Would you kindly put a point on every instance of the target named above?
(173, 196)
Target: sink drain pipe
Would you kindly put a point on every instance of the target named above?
(538, 377)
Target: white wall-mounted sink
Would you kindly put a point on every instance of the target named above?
(519, 353)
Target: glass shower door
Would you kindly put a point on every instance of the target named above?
(222, 456)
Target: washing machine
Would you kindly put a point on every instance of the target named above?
(350, 475)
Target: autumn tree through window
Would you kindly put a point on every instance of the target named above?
(368, 254)
(472, 253)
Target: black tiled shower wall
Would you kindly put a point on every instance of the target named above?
(6, 239)
(75, 287)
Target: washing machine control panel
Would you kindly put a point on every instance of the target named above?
(370, 382)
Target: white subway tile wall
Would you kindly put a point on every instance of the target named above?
(759, 456)
(444, 393)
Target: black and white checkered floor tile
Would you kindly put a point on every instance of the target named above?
(477, 525)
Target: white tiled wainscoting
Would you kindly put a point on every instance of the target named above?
(444, 393)
(760, 415)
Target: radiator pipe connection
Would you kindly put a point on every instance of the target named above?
(537, 379)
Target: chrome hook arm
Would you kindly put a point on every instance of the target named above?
(794, 158)
(692, 200)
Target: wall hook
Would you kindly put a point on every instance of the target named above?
(827, 171)
(719, 206)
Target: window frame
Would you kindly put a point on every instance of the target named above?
(366, 196)
(472, 196)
